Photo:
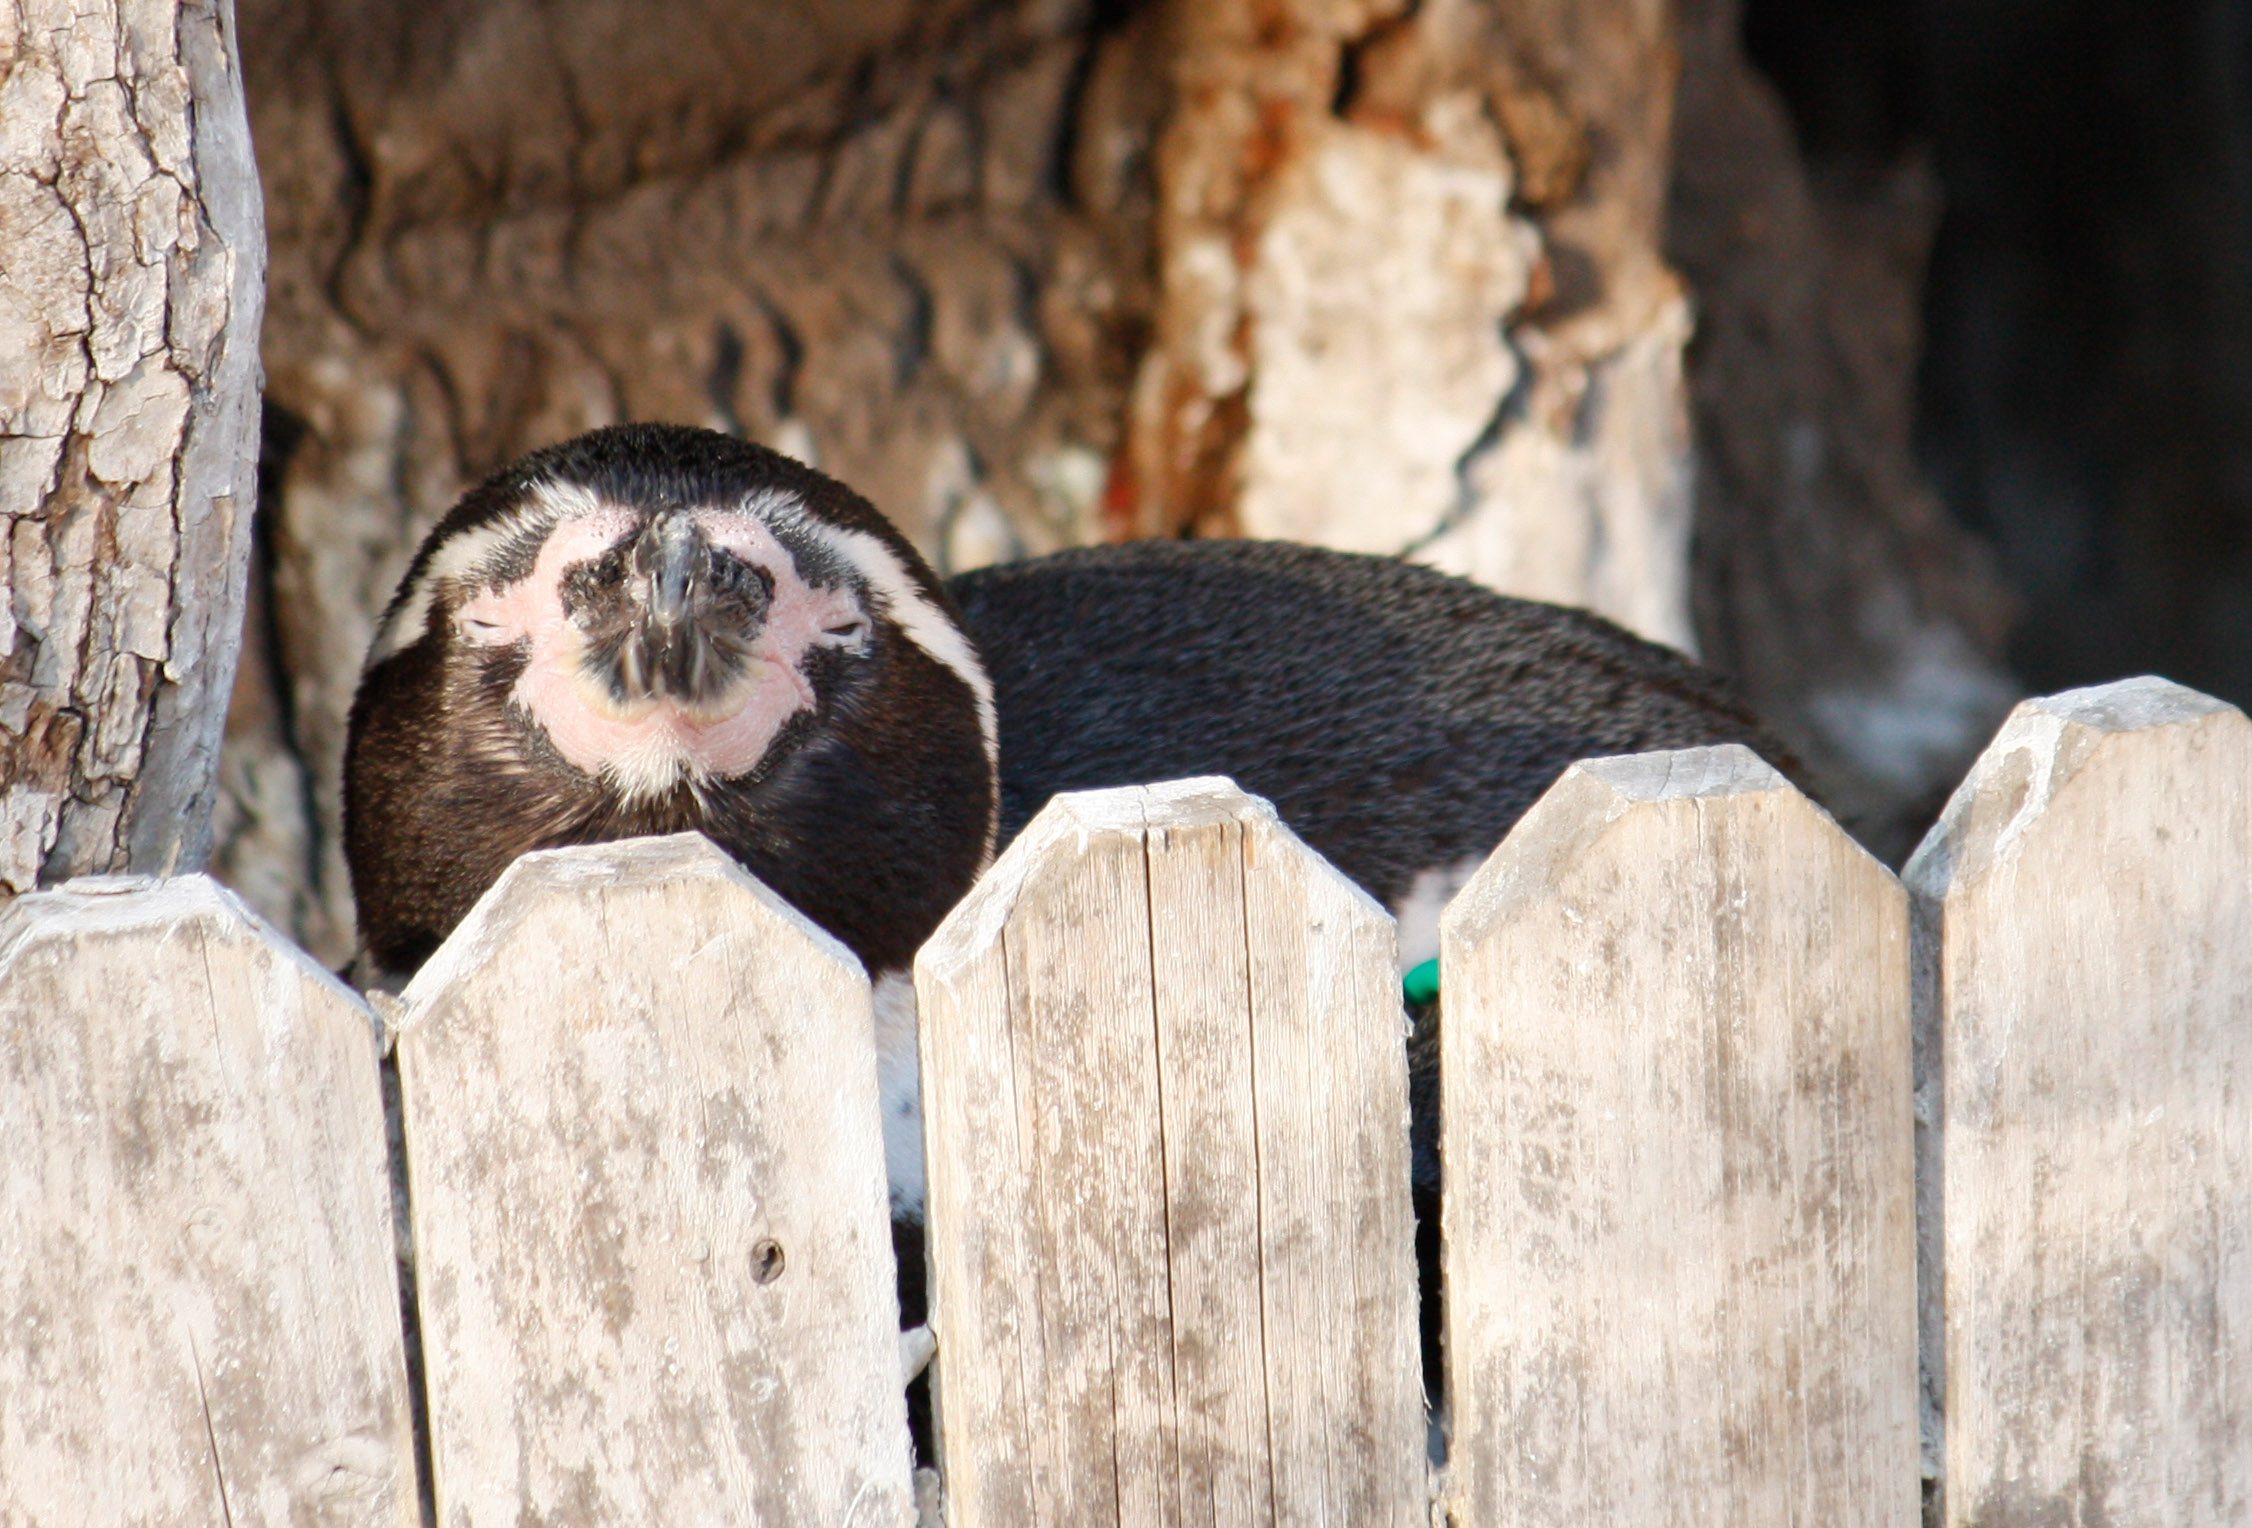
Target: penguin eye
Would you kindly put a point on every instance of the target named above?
(484, 621)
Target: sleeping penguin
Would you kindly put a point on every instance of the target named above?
(655, 629)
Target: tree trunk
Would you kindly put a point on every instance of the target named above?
(132, 266)
(1029, 273)
(1407, 307)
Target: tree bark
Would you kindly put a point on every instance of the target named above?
(1405, 306)
(132, 264)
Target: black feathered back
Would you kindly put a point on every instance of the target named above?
(1399, 719)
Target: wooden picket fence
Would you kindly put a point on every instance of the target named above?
(1714, 1081)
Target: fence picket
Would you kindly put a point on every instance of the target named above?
(1170, 1233)
(651, 1230)
(2086, 1023)
(1679, 1218)
(197, 1284)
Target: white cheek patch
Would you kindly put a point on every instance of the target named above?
(530, 608)
(922, 621)
(802, 615)
(919, 619)
(462, 559)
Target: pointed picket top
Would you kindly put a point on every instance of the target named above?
(1584, 804)
(1170, 1232)
(1679, 1239)
(2084, 1050)
(143, 908)
(536, 881)
(198, 1265)
(652, 1234)
(2041, 748)
(1080, 818)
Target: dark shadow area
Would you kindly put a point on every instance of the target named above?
(2086, 393)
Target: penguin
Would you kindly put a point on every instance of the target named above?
(655, 629)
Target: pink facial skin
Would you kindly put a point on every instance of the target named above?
(649, 745)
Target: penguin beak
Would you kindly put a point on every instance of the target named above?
(671, 567)
(668, 615)
(670, 555)
(687, 617)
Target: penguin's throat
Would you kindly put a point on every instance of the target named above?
(644, 748)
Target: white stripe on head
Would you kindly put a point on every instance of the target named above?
(914, 613)
(464, 555)
(932, 630)
(893, 593)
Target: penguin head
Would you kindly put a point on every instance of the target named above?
(655, 629)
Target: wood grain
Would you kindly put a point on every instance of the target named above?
(197, 1289)
(1171, 1242)
(1679, 1208)
(2088, 1035)
(652, 1238)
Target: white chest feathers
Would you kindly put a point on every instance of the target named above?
(899, 1076)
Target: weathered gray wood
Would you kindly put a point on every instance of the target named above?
(132, 263)
(1679, 1211)
(199, 1312)
(1170, 1236)
(652, 1235)
(2087, 1029)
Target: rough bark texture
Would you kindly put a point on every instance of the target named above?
(1411, 298)
(1581, 489)
(131, 266)
(1039, 272)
